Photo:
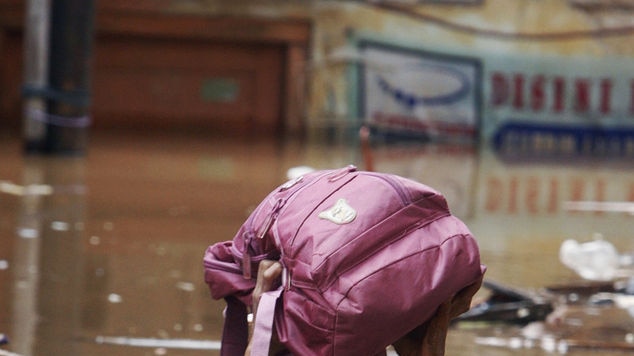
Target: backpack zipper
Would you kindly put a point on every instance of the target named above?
(225, 267)
(396, 185)
(336, 175)
(270, 218)
(330, 177)
(291, 183)
(248, 235)
(281, 202)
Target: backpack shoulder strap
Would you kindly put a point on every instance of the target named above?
(263, 330)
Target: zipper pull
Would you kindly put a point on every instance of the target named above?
(291, 183)
(286, 278)
(270, 219)
(246, 256)
(341, 172)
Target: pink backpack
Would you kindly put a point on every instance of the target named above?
(367, 257)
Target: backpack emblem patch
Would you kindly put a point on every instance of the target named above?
(340, 213)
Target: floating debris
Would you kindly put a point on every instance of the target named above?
(547, 343)
(94, 240)
(589, 315)
(186, 286)
(8, 353)
(114, 298)
(581, 289)
(22, 190)
(28, 233)
(60, 226)
(600, 206)
(508, 305)
(187, 344)
(596, 260)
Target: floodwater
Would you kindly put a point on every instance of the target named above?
(102, 255)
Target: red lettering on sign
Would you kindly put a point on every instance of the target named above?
(500, 89)
(534, 92)
(518, 88)
(559, 89)
(582, 95)
(538, 96)
(606, 94)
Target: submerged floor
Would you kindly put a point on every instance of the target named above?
(103, 254)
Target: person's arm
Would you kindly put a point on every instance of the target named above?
(429, 338)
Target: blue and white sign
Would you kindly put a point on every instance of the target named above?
(560, 105)
(419, 93)
(521, 104)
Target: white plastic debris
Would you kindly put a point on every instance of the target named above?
(28, 233)
(60, 226)
(186, 286)
(159, 343)
(22, 190)
(596, 260)
(115, 298)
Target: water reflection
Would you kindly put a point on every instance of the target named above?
(103, 254)
(48, 258)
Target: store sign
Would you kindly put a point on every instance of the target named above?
(544, 105)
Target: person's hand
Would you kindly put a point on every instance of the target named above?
(268, 278)
(429, 338)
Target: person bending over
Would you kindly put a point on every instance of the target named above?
(427, 339)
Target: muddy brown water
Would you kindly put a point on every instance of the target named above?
(102, 255)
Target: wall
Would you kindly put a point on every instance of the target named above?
(156, 67)
(572, 52)
(532, 38)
